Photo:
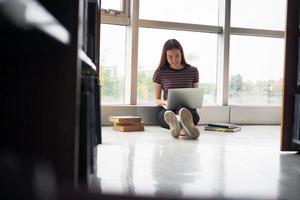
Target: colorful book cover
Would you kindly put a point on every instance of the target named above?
(210, 128)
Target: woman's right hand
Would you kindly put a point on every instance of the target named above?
(161, 102)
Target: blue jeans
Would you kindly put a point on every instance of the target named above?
(161, 120)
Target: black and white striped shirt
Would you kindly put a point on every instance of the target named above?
(171, 78)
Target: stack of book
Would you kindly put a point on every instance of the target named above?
(127, 123)
(224, 127)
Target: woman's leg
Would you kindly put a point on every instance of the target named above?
(168, 119)
(189, 119)
(161, 118)
(195, 114)
(196, 117)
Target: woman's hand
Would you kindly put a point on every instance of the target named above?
(161, 102)
(158, 99)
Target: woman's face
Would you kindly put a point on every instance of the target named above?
(174, 58)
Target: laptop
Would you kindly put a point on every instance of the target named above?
(189, 97)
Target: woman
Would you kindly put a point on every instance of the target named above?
(174, 72)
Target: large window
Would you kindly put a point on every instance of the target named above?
(112, 4)
(112, 63)
(187, 11)
(200, 50)
(256, 67)
(260, 14)
(253, 57)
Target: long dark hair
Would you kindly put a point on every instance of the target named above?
(171, 44)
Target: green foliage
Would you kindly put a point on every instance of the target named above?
(209, 92)
(259, 92)
(248, 86)
(145, 89)
(269, 91)
(112, 89)
(209, 88)
(236, 84)
(190, 57)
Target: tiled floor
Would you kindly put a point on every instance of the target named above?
(241, 165)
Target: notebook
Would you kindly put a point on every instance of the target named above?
(188, 97)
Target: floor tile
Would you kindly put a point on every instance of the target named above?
(241, 165)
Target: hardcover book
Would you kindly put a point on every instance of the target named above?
(125, 119)
(222, 129)
(127, 123)
(223, 125)
(128, 128)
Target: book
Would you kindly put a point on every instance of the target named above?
(223, 125)
(222, 129)
(125, 119)
(128, 128)
(127, 123)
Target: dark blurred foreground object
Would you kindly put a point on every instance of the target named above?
(26, 177)
(45, 47)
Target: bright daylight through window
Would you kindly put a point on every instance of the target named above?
(200, 50)
(187, 11)
(256, 63)
(255, 52)
(112, 4)
(255, 70)
(260, 14)
(112, 62)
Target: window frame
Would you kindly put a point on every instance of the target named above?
(117, 18)
(224, 48)
(130, 18)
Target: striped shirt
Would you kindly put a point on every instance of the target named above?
(171, 78)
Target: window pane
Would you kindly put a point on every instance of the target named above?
(261, 14)
(200, 50)
(112, 4)
(187, 11)
(112, 62)
(256, 70)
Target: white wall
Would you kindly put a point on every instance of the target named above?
(227, 114)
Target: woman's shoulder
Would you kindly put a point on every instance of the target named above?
(160, 71)
(192, 68)
(162, 68)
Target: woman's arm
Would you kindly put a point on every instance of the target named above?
(158, 100)
(196, 85)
